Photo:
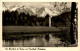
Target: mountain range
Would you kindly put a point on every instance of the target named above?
(41, 12)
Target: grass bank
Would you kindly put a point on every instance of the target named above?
(28, 29)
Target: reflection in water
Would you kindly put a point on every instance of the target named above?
(32, 40)
(47, 37)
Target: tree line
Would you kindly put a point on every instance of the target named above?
(14, 18)
(21, 19)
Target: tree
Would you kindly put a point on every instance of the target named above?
(72, 22)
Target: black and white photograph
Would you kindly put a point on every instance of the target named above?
(39, 24)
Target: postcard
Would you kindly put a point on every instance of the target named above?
(39, 25)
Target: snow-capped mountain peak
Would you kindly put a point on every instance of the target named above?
(13, 8)
(50, 12)
(42, 12)
(33, 10)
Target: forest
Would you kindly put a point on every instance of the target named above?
(14, 18)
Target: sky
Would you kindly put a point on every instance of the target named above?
(35, 4)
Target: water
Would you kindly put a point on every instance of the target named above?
(33, 40)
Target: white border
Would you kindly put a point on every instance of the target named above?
(47, 48)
